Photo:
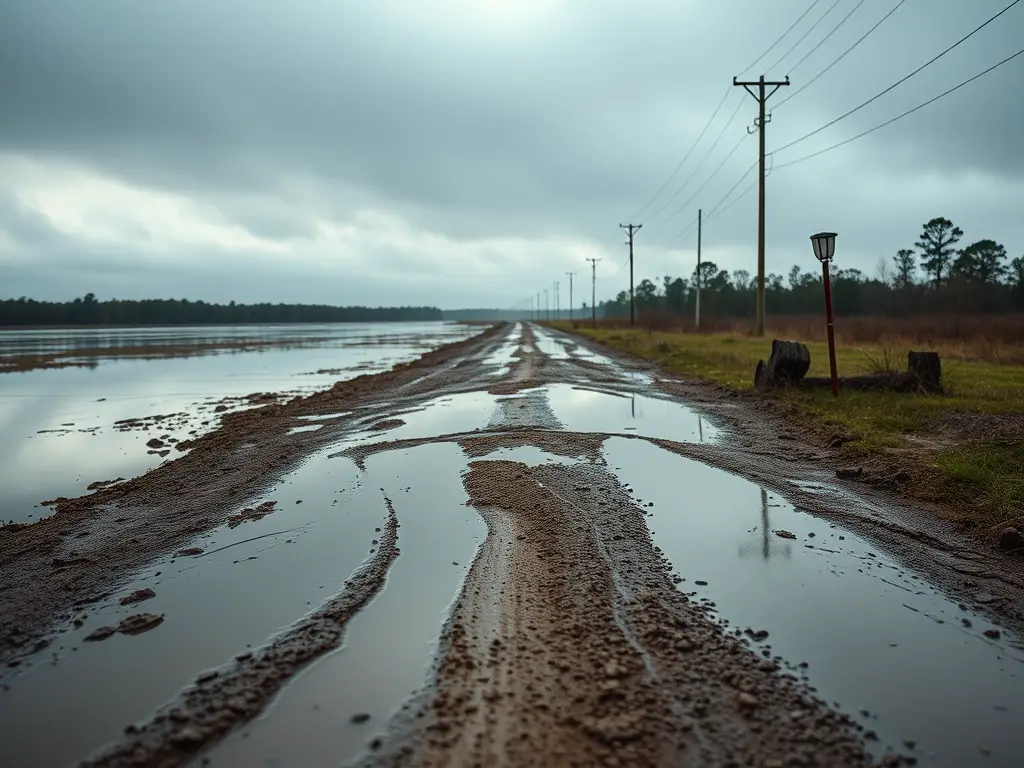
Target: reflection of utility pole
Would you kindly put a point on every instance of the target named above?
(700, 213)
(631, 228)
(767, 543)
(762, 121)
(700, 428)
(593, 291)
(557, 303)
(764, 523)
(570, 274)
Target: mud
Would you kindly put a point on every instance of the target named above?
(571, 640)
(221, 699)
(76, 557)
(571, 646)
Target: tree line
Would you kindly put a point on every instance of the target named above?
(933, 276)
(88, 310)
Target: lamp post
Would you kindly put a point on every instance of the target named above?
(824, 244)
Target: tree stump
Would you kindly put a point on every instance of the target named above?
(787, 365)
(927, 369)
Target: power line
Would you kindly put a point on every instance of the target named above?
(707, 154)
(842, 55)
(714, 173)
(718, 211)
(685, 158)
(804, 36)
(697, 141)
(898, 82)
(781, 37)
(826, 37)
(733, 188)
(908, 112)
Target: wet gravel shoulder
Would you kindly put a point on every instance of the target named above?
(570, 645)
(62, 564)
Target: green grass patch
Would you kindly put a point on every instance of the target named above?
(980, 478)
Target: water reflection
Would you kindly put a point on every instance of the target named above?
(768, 543)
(59, 423)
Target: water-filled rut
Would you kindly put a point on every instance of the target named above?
(519, 551)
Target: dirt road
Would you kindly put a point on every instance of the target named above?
(578, 632)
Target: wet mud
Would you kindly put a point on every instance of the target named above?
(668, 577)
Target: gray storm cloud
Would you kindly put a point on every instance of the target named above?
(523, 129)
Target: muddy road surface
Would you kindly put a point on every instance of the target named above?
(515, 550)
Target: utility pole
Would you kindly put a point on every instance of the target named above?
(570, 274)
(700, 216)
(538, 305)
(762, 121)
(593, 290)
(631, 228)
(547, 305)
(557, 304)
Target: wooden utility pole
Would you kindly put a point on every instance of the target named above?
(557, 302)
(762, 120)
(570, 274)
(631, 228)
(593, 291)
(700, 215)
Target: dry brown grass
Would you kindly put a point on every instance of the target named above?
(987, 338)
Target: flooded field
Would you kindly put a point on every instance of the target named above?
(525, 549)
(66, 428)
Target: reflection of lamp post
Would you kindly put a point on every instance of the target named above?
(824, 249)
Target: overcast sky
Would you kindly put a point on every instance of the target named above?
(471, 152)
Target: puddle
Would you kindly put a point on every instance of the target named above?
(41, 458)
(445, 415)
(529, 455)
(309, 428)
(249, 582)
(587, 410)
(323, 417)
(502, 358)
(875, 636)
(390, 645)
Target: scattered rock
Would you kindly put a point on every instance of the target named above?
(849, 473)
(360, 717)
(155, 443)
(782, 534)
(189, 552)
(139, 623)
(995, 634)
(1011, 538)
(138, 596)
(747, 700)
(100, 633)
(700, 583)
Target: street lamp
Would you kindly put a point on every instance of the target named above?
(824, 244)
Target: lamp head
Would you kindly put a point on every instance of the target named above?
(824, 244)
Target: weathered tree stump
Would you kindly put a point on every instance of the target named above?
(790, 360)
(927, 369)
(787, 365)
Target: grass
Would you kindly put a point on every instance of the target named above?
(942, 441)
